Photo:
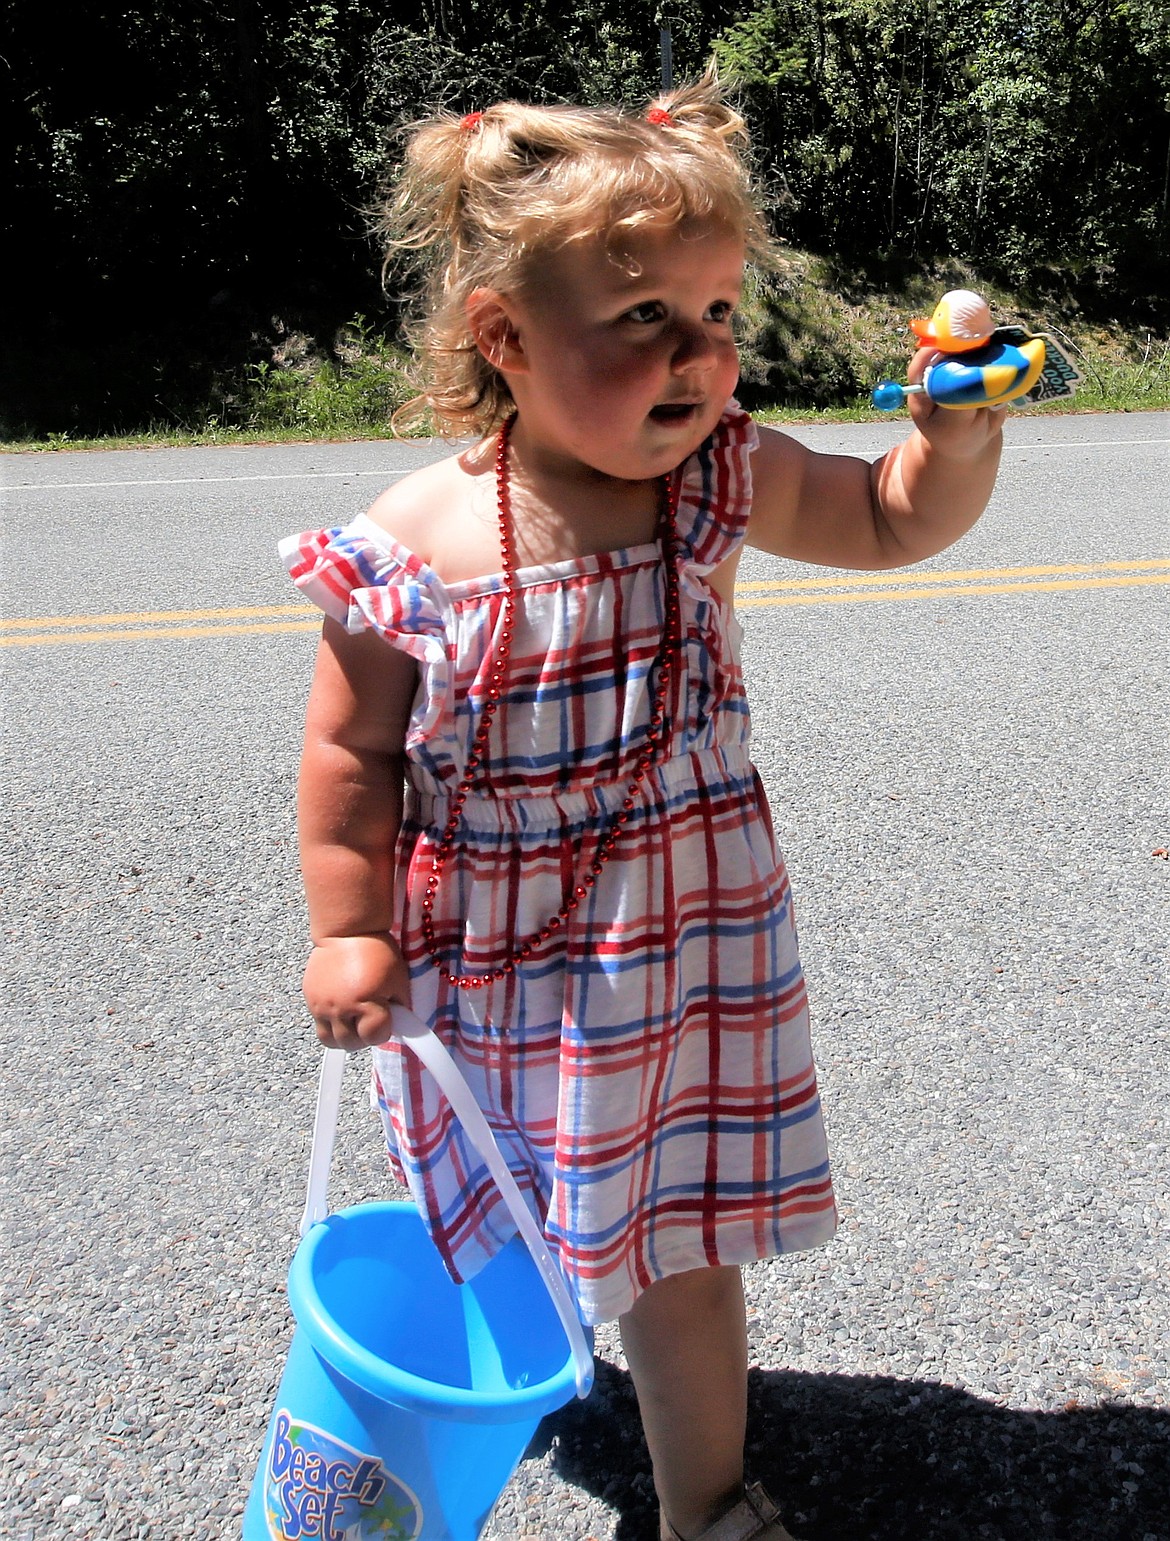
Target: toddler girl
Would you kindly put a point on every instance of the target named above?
(527, 806)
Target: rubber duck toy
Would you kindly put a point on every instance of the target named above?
(982, 365)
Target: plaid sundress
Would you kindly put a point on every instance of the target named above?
(647, 1072)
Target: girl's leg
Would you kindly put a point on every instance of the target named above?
(685, 1340)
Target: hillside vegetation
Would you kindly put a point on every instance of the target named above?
(192, 187)
(809, 350)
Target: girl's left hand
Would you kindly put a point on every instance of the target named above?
(959, 434)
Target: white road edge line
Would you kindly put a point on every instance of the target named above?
(316, 476)
(192, 481)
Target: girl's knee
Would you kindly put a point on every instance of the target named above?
(680, 1296)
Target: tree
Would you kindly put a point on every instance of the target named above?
(1026, 136)
(190, 181)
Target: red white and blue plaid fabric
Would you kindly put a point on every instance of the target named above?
(648, 1072)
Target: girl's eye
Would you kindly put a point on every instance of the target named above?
(648, 311)
(722, 310)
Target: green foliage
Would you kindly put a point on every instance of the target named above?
(814, 339)
(1130, 374)
(190, 183)
(355, 391)
(1029, 136)
(819, 335)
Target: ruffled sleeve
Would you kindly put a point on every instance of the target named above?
(359, 575)
(715, 494)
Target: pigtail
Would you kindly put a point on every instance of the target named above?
(701, 119)
(701, 107)
(425, 229)
(422, 212)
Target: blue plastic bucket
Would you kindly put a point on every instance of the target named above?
(407, 1400)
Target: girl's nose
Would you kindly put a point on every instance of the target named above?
(693, 349)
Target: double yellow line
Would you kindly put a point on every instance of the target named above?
(854, 588)
(843, 588)
(148, 625)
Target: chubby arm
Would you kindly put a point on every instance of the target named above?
(349, 805)
(915, 501)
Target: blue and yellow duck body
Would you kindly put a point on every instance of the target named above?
(986, 377)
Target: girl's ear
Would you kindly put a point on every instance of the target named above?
(490, 315)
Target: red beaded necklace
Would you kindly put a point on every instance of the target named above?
(496, 675)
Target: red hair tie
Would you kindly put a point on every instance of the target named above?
(659, 115)
(471, 122)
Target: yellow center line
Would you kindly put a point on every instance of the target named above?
(1051, 585)
(149, 633)
(843, 588)
(237, 613)
(963, 575)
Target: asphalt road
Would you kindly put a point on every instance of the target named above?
(968, 767)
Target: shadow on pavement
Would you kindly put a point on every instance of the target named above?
(857, 1458)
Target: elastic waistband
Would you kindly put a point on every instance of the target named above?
(670, 781)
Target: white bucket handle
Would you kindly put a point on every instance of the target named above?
(423, 1042)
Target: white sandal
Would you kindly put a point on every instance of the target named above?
(754, 1518)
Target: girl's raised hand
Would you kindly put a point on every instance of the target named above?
(958, 434)
(349, 986)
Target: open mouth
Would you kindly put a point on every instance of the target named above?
(674, 411)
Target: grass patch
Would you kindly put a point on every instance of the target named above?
(353, 391)
(302, 392)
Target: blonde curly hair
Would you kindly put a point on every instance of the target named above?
(480, 199)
